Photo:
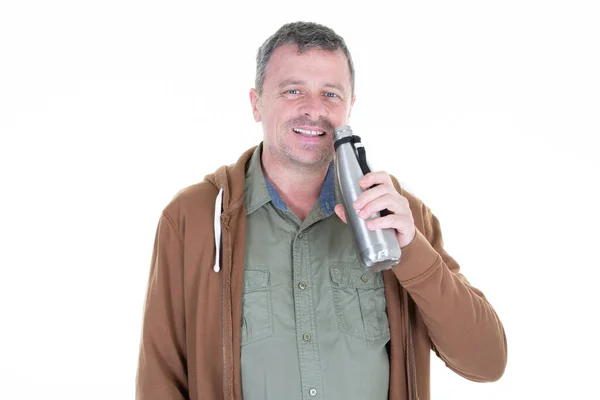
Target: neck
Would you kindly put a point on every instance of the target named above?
(298, 187)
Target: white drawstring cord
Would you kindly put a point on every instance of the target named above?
(217, 266)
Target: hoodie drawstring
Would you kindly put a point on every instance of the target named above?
(218, 208)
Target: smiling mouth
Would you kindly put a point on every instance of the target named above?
(305, 132)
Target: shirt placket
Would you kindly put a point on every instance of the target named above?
(306, 324)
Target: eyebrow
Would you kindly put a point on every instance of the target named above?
(299, 82)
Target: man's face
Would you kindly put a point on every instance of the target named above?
(303, 94)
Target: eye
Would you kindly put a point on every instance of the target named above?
(293, 91)
(331, 94)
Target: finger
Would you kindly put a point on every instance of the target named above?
(376, 178)
(401, 223)
(339, 210)
(369, 195)
(388, 201)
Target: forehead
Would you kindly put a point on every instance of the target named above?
(313, 65)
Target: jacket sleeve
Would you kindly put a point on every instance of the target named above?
(161, 372)
(465, 331)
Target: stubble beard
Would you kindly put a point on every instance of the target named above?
(282, 152)
(321, 156)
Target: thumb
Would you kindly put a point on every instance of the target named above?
(339, 210)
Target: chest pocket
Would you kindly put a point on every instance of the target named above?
(257, 306)
(359, 300)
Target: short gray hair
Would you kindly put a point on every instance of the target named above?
(306, 35)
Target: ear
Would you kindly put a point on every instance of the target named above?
(254, 102)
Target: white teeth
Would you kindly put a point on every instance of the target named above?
(311, 133)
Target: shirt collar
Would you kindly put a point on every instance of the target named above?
(256, 193)
(258, 190)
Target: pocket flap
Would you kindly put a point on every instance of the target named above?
(352, 275)
(255, 279)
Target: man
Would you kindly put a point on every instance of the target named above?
(255, 289)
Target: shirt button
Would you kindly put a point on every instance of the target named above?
(364, 278)
(302, 285)
(306, 337)
(312, 392)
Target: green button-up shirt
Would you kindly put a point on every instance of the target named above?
(314, 324)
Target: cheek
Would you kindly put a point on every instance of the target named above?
(283, 112)
(276, 119)
(339, 114)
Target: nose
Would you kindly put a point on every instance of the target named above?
(313, 107)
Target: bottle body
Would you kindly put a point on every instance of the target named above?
(377, 249)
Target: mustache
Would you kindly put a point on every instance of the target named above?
(303, 120)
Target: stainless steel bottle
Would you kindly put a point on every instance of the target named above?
(377, 249)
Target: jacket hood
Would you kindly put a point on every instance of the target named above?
(229, 181)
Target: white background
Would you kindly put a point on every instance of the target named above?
(487, 111)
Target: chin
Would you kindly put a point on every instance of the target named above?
(316, 159)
